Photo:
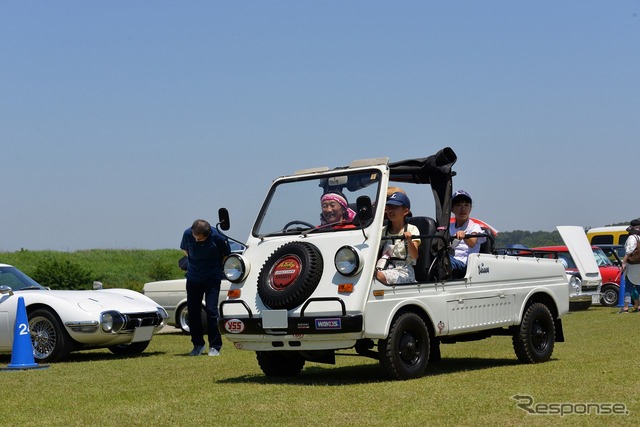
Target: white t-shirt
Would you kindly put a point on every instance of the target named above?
(462, 250)
(633, 270)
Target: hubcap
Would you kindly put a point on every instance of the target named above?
(409, 348)
(539, 336)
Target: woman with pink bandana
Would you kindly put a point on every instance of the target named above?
(336, 211)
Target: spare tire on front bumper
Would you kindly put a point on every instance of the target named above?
(290, 275)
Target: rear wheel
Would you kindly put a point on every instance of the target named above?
(405, 352)
(50, 340)
(533, 341)
(280, 363)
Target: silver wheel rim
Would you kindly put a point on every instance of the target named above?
(183, 320)
(43, 337)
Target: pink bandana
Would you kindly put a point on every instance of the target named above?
(342, 201)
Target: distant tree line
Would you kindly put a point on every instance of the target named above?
(532, 239)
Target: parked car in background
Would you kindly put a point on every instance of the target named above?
(172, 296)
(62, 321)
(611, 235)
(610, 294)
(615, 253)
(581, 299)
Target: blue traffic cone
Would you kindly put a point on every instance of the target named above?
(621, 292)
(22, 350)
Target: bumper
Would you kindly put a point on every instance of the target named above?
(302, 332)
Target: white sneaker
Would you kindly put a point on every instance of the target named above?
(213, 352)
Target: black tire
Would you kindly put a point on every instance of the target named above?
(280, 363)
(533, 341)
(579, 306)
(182, 319)
(129, 349)
(404, 354)
(308, 263)
(51, 342)
(609, 296)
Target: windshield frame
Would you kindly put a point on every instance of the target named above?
(296, 199)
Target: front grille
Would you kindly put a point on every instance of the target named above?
(136, 320)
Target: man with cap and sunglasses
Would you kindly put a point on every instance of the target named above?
(461, 205)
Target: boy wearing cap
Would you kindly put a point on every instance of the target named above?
(461, 205)
(632, 271)
(398, 255)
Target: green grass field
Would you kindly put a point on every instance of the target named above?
(472, 386)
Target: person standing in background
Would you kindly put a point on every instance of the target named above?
(631, 271)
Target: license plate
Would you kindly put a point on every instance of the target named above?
(274, 319)
(143, 333)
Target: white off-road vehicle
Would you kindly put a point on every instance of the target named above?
(301, 290)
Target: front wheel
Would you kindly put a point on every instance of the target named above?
(280, 363)
(182, 319)
(609, 296)
(129, 349)
(533, 341)
(405, 352)
(50, 340)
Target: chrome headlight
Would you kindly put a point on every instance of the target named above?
(347, 261)
(575, 283)
(111, 321)
(236, 268)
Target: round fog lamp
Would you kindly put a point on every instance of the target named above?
(347, 261)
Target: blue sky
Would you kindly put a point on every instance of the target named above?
(122, 122)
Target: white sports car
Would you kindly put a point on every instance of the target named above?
(62, 321)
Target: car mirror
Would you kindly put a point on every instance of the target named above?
(6, 290)
(223, 219)
(363, 204)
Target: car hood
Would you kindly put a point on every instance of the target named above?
(122, 300)
(581, 251)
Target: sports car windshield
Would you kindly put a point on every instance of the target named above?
(297, 205)
(17, 280)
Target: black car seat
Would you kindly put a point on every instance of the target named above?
(427, 226)
(488, 247)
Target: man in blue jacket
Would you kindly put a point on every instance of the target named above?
(206, 250)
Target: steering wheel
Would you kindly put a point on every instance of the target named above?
(295, 221)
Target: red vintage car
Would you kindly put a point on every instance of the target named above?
(611, 274)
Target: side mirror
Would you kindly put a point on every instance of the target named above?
(97, 285)
(223, 219)
(6, 290)
(365, 210)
